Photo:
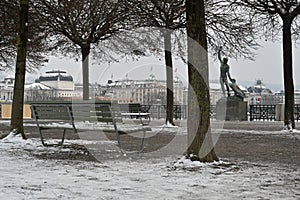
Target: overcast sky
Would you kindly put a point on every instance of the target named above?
(267, 66)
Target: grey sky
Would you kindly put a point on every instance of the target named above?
(267, 66)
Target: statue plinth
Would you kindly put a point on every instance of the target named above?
(232, 108)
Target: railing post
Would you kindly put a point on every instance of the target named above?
(279, 113)
(297, 112)
(251, 112)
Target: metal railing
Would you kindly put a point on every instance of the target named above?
(268, 112)
(159, 111)
(262, 112)
(297, 112)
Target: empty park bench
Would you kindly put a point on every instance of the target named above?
(82, 117)
(135, 110)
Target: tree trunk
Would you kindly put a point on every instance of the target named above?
(85, 50)
(289, 119)
(199, 132)
(169, 71)
(18, 98)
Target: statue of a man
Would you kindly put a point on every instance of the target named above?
(224, 73)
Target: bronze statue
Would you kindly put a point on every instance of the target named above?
(236, 89)
(224, 73)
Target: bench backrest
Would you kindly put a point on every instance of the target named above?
(131, 108)
(94, 113)
(51, 112)
(90, 112)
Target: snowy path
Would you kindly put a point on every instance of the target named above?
(23, 176)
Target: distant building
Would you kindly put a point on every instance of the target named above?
(59, 85)
(50, 86)
(150, 91)
(259, 88)
(7, 89)
(280, 96)
(59, 80)
(260, 94)
(54, 84)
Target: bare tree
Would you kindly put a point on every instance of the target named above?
(168, 16)
(273, 16)
(22, 45)
(199, 133)
(78, 26)
(18, 99)
(8, 38)
(228, 26)
(37, 47)
(224, 27)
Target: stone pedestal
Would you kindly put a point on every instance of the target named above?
(232, 108)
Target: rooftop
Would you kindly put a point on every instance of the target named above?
(55, 75)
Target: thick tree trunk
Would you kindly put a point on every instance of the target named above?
(18, 98)
(85, 50)
(199, 132)
(169, 71)
(289, 119)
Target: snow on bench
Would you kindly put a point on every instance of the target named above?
(134, 110)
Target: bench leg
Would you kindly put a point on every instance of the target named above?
(147, 120)
(63, 138)
(45, 144)
(143, 139)
(141, 121)
(42, 138)
(118, 138)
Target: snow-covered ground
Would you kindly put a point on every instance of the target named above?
(24, 176)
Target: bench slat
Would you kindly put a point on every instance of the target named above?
(51, 112)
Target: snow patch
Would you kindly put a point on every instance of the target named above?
(169, 125)
(186, 163)
(25, 177)
(12, 137)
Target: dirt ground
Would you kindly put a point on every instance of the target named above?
(236, 143)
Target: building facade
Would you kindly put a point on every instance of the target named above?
(7, 89)
(148, 92)
(54, 84)
(259, 94)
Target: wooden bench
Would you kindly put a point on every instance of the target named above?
(79, 116)
(134, 110)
